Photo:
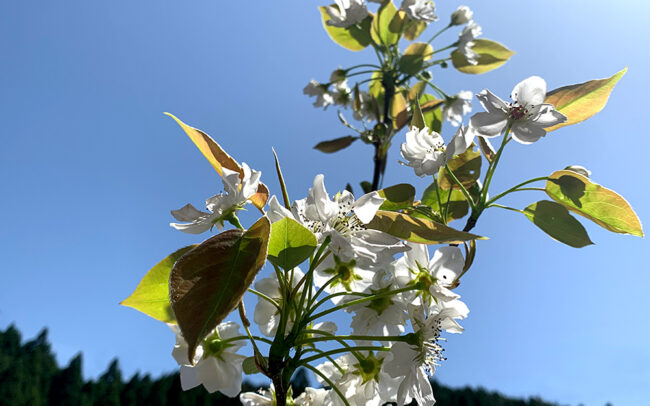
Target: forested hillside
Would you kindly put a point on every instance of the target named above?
(29, 376)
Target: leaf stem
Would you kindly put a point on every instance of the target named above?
(516, 188)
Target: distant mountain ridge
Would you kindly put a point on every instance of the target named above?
(30, 376)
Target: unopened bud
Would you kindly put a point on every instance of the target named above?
(426, 75)
(579, 169)
(338, 75)
(461, 16)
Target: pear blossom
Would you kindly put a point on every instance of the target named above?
(312, 397)
(527, 115)
(466, 41)
(319, 90)
(363, 382)
(266, 315)
(238, 193)
(382, 316)
(342, 94)
(461, 16)
(425, 150)
(216, 364)
(346, 13)
(439, 273)
(457, 106)
(366, 111)
(421, 10)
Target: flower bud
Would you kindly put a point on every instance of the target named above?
(338, 75)
(461, 16)
(427, 75)
(579, 169)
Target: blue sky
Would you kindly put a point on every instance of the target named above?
(90, 167)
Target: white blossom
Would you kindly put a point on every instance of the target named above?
(528, 115)
(362, 382)
(466, 41)
(457, 106)
(579, 170)
(216, 366)
(323, 97)
(312, 397)
(346, 13)
(461, 16)
(425, 150)
(238, 191)
(267, 315)
(421, 10)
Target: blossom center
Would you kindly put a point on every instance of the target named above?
(368, 368)
(517, 111)
(344, 273)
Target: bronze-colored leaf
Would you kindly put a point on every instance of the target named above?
(208, 282)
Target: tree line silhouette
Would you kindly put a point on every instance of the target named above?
(30, 376)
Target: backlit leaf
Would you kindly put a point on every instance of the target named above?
(414, 29)
(555, 220)
(219, 159)
(418, 230)
(353, 37)
(208, 282)
(397, 197)
(151, 296)
(290, 243)
(491, 55)
(466, 167)
(387, 24)
(581, 101)
(601, 205)
(412, 60)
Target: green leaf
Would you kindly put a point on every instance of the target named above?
(207, 283)
(290, 243)
(431, 109)
(555, 220)
(466, 167)
(491, 55)
(151, 296)
(353, 37)
(412, 61)
(414, 29)
(220, 159)
(416, 91)
(603, 206)
(397, 197)
(418, 118)
(336, 144)
(418, 230)
(458, 205)
(250, 367)
(387, 24)
(398, 111)
(581, 101)
(366, 186)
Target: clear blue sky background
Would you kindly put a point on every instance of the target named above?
(89, 169)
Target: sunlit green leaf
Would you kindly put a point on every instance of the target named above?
(397, 197)
(353, 37)
(414, 29)
(418, 118)
(431, 109)
(418, 230)
(597, 203)
(399, 112)
(208, 282)
(555, 220)
(453, 199)
(581, 101)
(466, 167)
(290, 243)
(412, 61)
(387, 24)
(491, 55)
(151, 296)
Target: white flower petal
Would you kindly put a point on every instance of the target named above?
(367, 205)
(526, 132)
(489, 124)
(189, 379)
(188, 213)
(277, 211)
(530, 91)
(460, 142)
(548, 116)
(491, 102)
